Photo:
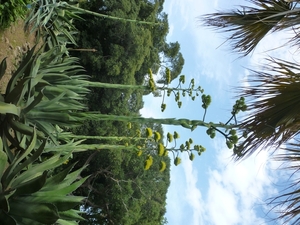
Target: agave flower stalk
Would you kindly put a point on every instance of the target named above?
(62, 8)
(70, 136)
(68, 6)
(186, 123)
(165, 88)
(134, 87)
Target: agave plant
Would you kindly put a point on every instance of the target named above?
(51, 21)
(43, 92)
(28, 192)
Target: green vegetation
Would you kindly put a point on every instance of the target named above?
(11, 10)
(60, 119)
(272, 121)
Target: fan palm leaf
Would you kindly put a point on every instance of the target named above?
(249, 25)
(288, 202)
(273, 104)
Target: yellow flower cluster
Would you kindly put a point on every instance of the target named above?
(162, 166)
(157, 136)
(139, 153)
(168, 75)
(148, 162)
(160, 149)
(149, 132)
(151, 81)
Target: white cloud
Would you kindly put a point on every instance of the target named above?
(192, 194)
(237, 190)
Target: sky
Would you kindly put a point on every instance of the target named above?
(213, 189)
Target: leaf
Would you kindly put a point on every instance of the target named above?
(65, 222)
(31, 186)
(58, 178)
(3, 67)
(3, 159)
(71, 215)
(41, 212)
(6, 108)
(62, 203)
(6, 219)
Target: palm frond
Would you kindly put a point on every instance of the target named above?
(287, 204)
(273, 100)
(249, 25)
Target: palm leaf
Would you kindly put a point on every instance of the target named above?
(249, 25)
(273, 103)
(288, 202)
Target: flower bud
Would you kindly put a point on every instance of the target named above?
(169, 137)
(192, 156)
(176, 135)
(177, 161)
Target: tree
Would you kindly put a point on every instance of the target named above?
(249, 25)
(272, 97)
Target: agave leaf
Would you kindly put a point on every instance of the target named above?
(31, 186)
(58, 178)
(3, 159)
(36, 101)
(3, 66)
(7, 151)
(71, 215)
(24, 129)
(63, 189)
(41, 212)
(70, 178)
(65, 222)
(47, 128)
(4, 205)
(6, 108)
(37, 169)
(6, 219)
(19, 72)
(25, 221)
(17, 92)
(62, 203)
(23, 139)
(25, 176)
(11, 172)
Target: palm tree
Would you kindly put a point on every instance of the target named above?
(274, 103)
(287, 204)
(248, 25)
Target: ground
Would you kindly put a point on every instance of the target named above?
(14, 41)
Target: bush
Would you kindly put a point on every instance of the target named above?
(11, 10)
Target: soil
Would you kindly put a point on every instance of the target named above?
(14, 42)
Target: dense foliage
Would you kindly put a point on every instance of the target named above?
(119, 190)
(11, 10)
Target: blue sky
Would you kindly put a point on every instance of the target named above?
(214, 190)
